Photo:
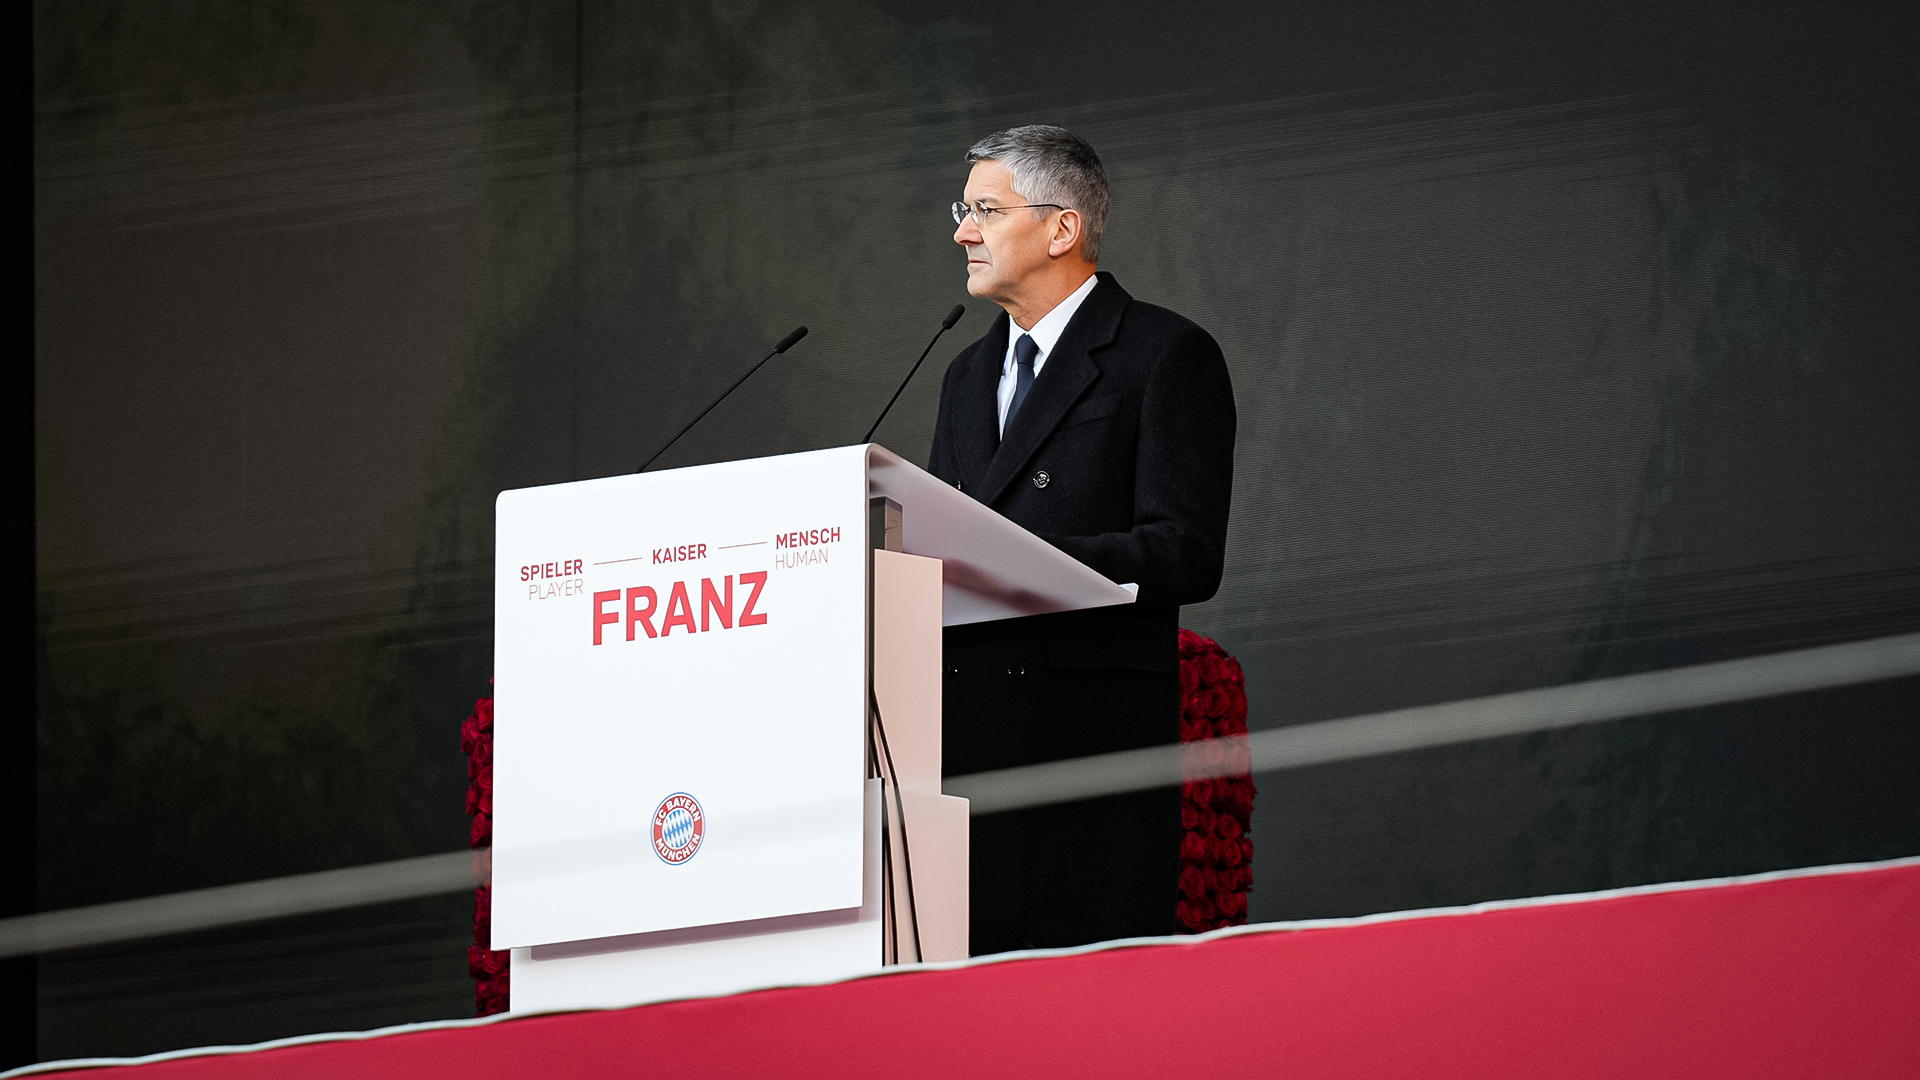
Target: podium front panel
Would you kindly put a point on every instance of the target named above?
(680, 665)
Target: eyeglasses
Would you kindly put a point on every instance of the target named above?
(980, 210)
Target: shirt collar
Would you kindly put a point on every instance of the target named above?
(1046, 333)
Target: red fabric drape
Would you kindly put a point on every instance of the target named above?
(1808, 976)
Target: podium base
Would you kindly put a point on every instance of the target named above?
(799, 950)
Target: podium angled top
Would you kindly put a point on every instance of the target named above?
(992, 568)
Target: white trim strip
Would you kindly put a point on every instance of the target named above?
(1060, 781)
(200, 909)
(1031, 954)
(1425, 726)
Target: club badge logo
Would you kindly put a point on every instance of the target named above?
(678, 827)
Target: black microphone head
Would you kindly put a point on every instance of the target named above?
(790, 340)
(953, 316)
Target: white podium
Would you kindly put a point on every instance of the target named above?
(687, 669)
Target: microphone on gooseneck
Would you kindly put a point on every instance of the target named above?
(946, 324)
(786, 343)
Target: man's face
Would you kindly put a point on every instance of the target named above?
(1006, 248)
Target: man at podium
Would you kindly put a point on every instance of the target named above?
(1106, 426)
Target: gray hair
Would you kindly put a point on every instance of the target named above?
(1052, 165)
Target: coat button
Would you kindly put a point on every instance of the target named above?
(1041, 479)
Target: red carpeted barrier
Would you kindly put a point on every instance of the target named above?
(1809, 974)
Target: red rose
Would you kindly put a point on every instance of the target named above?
(1208, 821)
(1240, 796)
(481, 834)
(1183, 913)
(1194, 848)
(1227, 825)
(1232, 794)
(1216, 754)
(490, 994)
(1190, 642)
(1197, 914)
(1193, 882)
(1189, 816)
(1233, 907)
(485, 963)
(1216, 702)
(1223, 879)
(1206, 666)
(1236, 756)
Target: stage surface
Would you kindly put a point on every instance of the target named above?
(1802, 973)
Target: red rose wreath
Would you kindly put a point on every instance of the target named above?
(1216, 855)
(487, 966)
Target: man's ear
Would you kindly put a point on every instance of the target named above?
(1066, 234)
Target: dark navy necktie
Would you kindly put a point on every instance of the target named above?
(1024, 352)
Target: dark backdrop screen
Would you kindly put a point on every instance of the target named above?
(1569, 340)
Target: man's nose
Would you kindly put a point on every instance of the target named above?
(968, 234)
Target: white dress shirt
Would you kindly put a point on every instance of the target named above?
(1046, 334)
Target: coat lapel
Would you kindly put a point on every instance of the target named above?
(1062, 380)
(978, 415)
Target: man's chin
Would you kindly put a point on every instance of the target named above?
(979, 282)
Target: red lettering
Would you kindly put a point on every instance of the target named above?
(757, 579)
(643, 616)
(710, 603)
(601, 616)
(679, 611)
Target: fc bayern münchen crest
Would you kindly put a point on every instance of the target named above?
(678, 827)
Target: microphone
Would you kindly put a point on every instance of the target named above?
(786, 343)
(946, 324)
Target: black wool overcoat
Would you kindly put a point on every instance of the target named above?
(1121, 456)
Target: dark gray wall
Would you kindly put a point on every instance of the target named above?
(1568, 340)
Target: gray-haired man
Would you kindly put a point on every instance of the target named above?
(1106, 426)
